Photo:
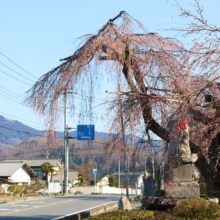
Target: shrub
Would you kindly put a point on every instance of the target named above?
(203, 189)
(112, 181)
(197, 209)
(125, 214)
(18, 189)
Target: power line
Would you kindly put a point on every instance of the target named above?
(17, 65)
(38, 134)
(22, 131)
(17, 72)
(15, 78)
(11, 95)
(20, 118)
(11, 92)
(10, 98)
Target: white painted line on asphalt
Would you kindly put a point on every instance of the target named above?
(35, 202)
(20, 205)
(81, 211)
(21, 201)
(4, 209)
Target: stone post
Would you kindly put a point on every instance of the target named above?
(148, 180)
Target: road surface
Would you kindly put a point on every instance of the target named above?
(53, 207)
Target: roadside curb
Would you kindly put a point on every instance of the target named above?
(10, 200)
(112, 206)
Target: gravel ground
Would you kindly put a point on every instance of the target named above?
(136, 205)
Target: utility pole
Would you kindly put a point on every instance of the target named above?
(66, 143)
(123, 135)
(119, 169)
(123, 142)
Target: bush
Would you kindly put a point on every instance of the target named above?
(203, 189)
(18, 189)
(197, 209)
(112, 181)
(35, 186)
(124, 214)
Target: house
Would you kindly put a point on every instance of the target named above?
(16, 173)
(72, 176)
(134, 178)
(102, 179)
(35, 165)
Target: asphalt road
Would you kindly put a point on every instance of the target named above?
(53, 207)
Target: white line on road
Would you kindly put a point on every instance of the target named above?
(20, 205)
(81, 211)
(4, 209)
(36, 202)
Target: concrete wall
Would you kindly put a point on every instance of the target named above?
(105, 190)
(115, 190)
(86, 189)
(20, 176)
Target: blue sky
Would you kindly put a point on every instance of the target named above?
(36, 34)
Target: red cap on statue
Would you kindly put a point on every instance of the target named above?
(184, 123)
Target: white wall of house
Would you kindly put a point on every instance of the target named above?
(103, 182)
(20, 176)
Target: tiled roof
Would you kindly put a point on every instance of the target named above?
(9, 168)
(33, 162)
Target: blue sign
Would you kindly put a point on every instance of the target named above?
(85, 132)
(94, 171)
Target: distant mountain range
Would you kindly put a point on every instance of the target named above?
(14, 144)
(10, 138)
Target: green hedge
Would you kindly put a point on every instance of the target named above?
(124, 214)
(197, 209)
(28, 187)
(12, 187)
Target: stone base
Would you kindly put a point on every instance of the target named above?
(163, 203)
(182, 190)
(159, 203)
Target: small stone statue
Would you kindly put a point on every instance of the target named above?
(179, 148)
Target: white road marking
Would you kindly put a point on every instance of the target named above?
(5, 204)
(4, 209)
(35, 202)
(19, 205)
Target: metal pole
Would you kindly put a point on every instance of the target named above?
(123, 140)
(119, 170)
(95, 182)
(47, 153)
(66, 148)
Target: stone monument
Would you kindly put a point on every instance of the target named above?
(148, 179)
(180, 184)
